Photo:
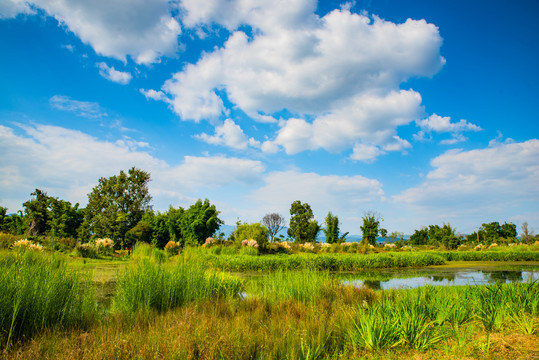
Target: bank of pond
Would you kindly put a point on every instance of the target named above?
(188, 307)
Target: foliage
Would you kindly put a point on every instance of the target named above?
(199, 222)
(117, 204)
(332, 229)
(493, 232)
(142, 232)
(303, 228)
(255, 231)
(420, 237)
(12, 223)
(274, 223)
(370, 228)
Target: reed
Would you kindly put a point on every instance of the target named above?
(38, 292)
(148, 285)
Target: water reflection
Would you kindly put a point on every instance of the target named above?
(459, 277)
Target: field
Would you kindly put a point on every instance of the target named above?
(191, 306)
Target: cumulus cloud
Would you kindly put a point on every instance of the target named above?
(67, 163)
(85, 109)
(110, 73)
(142, 29)
(439, 124)
(348, 196)
(339, 75)
(11, 8)
(229, 134)
(480, 182)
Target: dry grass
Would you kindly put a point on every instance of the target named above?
(252, 329)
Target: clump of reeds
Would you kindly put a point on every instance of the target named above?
(37, 292)
(148, 285)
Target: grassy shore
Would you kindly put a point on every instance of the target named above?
(187, 308)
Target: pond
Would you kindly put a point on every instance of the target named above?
(402, 279)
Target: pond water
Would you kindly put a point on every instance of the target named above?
(440, 277)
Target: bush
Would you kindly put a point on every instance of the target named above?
(172, 248)
(86, 250)
(104, 246)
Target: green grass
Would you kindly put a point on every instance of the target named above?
(331, 262)
(37, 292)
(147, 285)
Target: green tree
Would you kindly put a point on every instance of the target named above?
(12, 223)
(199, 222)
(420, 237)
(254, 231)
(332, 229)
(370, 227)
(117, 204)
(383, 233)
(303, 228)
(443, 235)
(508, 231)
(36, 213)
(64, 218)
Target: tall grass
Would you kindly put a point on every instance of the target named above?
(147, 285)
(303, 286)
(37, 292)
(497, 255)
(331, 262)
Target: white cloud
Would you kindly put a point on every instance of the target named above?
(11, 8)
(85, 109)
(343, 70)
(476, 184)
(365, 153)
(68, 163)
(110, 73)
(229, 134)
(348, 196)
(439, 124)
(142, 29)
(154, 95)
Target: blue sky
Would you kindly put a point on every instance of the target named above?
(425, 112)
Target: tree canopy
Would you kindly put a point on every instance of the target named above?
(303, 227)
(117, 204)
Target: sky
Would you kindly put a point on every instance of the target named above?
(424, 112)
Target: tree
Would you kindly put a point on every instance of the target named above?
(64, 219)
(274, 223)
(199, 222)
(332, 229)
(383, 233)
(508, 231)
(254, 231)
(527, 234)
(420, 237)
(12, 223)
(444, 235)
(36, 213)
(370, 227)
(117, 204)
(303, 227)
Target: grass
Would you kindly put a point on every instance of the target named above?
(37, 292)
(331, 262)
(150, 285)
(183, 308)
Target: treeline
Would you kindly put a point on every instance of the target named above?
(119, 209)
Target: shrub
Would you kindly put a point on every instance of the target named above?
(25, 244)
(87, 250)
(172, 248)
(104, 246)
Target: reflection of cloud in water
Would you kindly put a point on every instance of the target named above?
(464, 277)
